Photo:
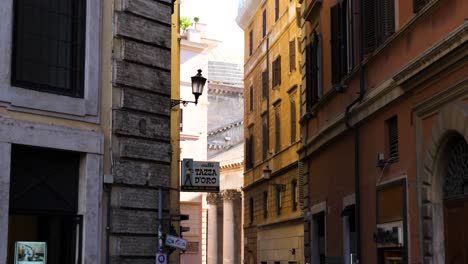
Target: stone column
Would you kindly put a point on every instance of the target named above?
(212, 238)
(228, 226)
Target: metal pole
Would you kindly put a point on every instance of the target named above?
(160, 215)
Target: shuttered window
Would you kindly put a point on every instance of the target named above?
(251, 210)
(251, 98)
(343, 30)
(264, 21)
(181, 119)
(419, 4)
(277, 129)
(279, 199)
(313, 71)
(265, 136)
(293, 119)
(276, 72)
(250, 42)
(265, 82)
(379, 22)
(294, 195)
(249, 149)
(49, 46)
(265, 204)
(277, 3)
(292, 55)
(392, 127)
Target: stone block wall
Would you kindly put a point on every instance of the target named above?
(141, 146)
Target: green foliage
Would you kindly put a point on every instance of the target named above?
(196, 19)
(185, 22)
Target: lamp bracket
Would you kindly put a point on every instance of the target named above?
(175, 102)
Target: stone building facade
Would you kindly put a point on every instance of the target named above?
(273, 221)
(383, 124)
(85, 128)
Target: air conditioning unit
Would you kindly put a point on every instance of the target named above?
(389, 235)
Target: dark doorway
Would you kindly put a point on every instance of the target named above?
(456, 202)
(44, 202)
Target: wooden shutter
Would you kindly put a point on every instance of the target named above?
(308, 76)
(251, 98)
(265, 136)
(335, 43)
(392, 125)
(292, 55)
(276, 9)
(343, 39)
(279, 69)
(369, 13)
(293, 121)
(264, 23)
(265, 91)
(250, 42)
(388, 18)
(418, 5)
(314, 69)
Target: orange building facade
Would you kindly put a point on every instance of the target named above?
(384, 131)
(273, 223)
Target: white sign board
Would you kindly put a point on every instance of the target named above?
(161, 258)
(27, 252)
(200, 176)
(176, 242)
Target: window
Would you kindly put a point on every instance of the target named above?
(250, 42)
(292, 55)
(292, 101)
(279, 198)
(276, 9)
(343, 29)
(349, 233)
(264, 21)
(276, 72)
(294, 195)
(265, 136)
(419, 4)
(181, 124)
(392, 136)
(313, 71)
(49, 46)
(318, 239)
(265, 204)
(390, 233)
(251, 210)
(251, 98)
(265, 82)
(249, 149)
(277, 129)
(379, 22)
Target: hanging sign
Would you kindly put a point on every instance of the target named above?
(30, 252)
(200, 176)
(176, 242)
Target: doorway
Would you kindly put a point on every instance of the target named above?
(456, 202)
(44, 203)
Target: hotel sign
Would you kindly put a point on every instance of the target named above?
(199, 176)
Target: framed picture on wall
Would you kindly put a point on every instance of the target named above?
(28, 252)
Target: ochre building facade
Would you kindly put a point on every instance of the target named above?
(273, 223)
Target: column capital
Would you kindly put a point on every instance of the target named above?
(212, 198)
(230, 194)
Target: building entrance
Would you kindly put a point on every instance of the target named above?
(44, 206)
(456, 204)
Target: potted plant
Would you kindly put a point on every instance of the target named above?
(185, 23)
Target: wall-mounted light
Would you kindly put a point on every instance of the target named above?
(198, 82)
(266, 173)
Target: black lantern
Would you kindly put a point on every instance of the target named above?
(198, 82)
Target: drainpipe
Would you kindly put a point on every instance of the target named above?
(355, 127)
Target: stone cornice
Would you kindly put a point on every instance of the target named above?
(230, 195)
(226, 127)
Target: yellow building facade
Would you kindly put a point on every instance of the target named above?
(273, 224)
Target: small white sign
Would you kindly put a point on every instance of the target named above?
(176, 242)
(161, 258)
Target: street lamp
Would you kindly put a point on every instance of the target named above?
(198, 82)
